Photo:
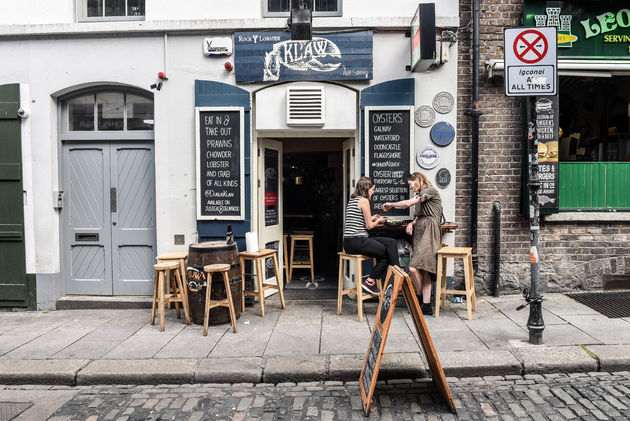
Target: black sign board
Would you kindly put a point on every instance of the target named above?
(547, 127)
(220, 163)
(387, 153)
(397, 281)
(271, 187)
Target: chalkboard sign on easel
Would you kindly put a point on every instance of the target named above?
(388, 161)
(220, 163)
(398, 280)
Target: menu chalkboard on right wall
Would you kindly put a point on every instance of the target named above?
(389, 135)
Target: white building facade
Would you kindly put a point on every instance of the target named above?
(119, 164)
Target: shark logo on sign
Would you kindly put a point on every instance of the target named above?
(320, 55)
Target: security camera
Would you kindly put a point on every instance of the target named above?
(22, 113)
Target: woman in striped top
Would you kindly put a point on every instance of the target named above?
(358, 221)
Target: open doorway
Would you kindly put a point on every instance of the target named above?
(312, 201)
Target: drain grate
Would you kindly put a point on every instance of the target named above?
(612, 304)
(10, 410)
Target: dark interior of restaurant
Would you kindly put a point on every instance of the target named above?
(313, 202)
(594, 118)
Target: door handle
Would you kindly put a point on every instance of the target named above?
(113, 201)
(114, 223)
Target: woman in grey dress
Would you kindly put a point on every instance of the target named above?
(427, 236)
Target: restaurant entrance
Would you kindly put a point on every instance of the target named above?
(314, 177)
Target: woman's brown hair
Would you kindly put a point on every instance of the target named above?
(363, 188)
(421, 180)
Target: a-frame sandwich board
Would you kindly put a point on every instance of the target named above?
(396, 280)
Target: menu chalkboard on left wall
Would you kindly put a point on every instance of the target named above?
(220, 163)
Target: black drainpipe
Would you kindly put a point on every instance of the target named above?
(496, 208)
(475, 113)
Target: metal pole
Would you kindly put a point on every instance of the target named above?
(496, 208)
(535, 323)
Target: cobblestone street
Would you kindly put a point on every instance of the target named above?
(595, 396)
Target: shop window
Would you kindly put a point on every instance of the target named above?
(280, 8)
(100, 10)
(109, 111)
(594, 153)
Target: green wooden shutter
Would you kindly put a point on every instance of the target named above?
(14, 288)
(594, 185)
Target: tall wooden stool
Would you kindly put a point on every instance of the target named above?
(285, 261)
(258, 258)
(464, 253)
(179, 257)
(302, 264)
(358, 260)
(168, 270)
(227, 302)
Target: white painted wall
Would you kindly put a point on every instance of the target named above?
(56, 66)
(37, 12)
(51, 66)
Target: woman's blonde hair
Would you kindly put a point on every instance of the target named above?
(363, 187)
(421, 180)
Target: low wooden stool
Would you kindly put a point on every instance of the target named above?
(227, 302)
(285, 262)
(258, 258)
(358, 259)
(464, 253)
(297, 236)
(180, 257)
(167, 270)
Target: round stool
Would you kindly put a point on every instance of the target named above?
(227, 302)
(180, 257)
(168, 270)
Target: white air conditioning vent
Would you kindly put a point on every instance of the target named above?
(306, 106)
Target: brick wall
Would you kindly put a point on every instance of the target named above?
(573, 255)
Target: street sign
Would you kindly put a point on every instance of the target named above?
(531, 61)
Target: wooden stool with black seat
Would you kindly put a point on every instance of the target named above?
(358, 260)
(464, 253)
(227, 302)
(168, 270)
(179, 257)
(302, 263)
(258, 258)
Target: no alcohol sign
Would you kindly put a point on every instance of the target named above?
(531, 61)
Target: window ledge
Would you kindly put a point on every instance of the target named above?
(588, 217)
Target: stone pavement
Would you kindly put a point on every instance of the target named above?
(583, 396)
(307, 341)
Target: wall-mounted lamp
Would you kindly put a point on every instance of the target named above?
(300, 21)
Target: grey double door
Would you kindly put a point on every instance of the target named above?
(109, 218)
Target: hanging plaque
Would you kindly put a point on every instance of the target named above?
(442, 133)
(428, 157)
(425, 116)
(443, 178)
(443, 102)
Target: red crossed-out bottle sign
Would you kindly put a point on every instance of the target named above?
(530, 46)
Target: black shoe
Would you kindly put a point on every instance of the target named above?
(427, 309)
(369, 285)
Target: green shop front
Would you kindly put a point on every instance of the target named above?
(593, 112)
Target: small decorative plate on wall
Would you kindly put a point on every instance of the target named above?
(425, 116)
(443, 102)
(428, 157)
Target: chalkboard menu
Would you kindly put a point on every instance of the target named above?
(389, 134)
(398, 280)
(220, 163)
(547, 127)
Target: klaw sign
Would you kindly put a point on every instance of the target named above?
(531, 61)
